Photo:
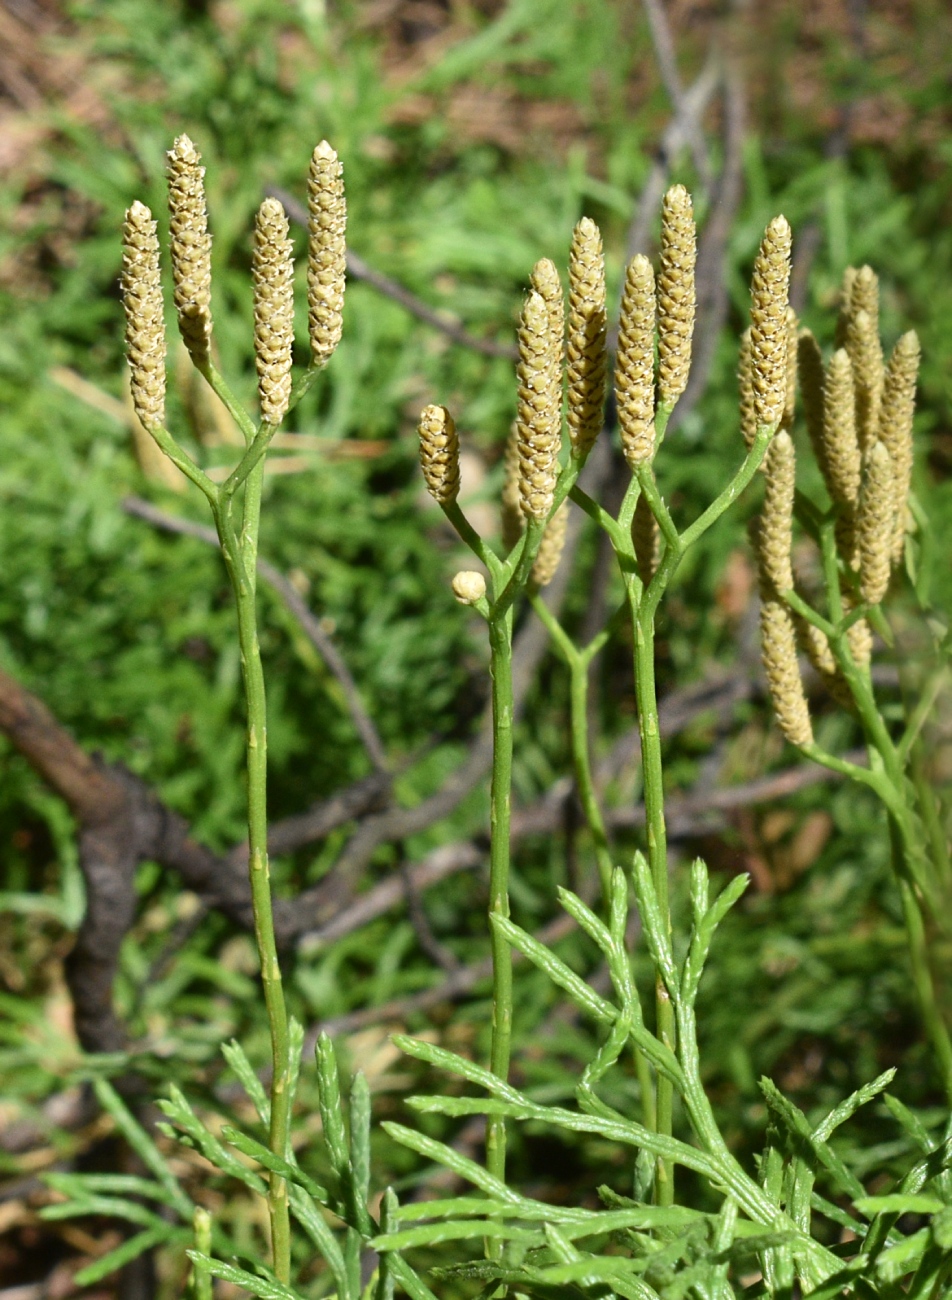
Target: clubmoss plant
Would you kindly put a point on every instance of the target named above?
(543, 489)
(860, 424)
(236, 503)
(651, 1245)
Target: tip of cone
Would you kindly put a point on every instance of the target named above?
(183, 148)
(325, 151)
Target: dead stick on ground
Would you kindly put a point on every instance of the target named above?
(359, 270)
(292, 601)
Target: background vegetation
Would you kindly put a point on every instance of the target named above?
(473, 137)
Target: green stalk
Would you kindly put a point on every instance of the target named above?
(579, 662)
(241, 554)
(918, 884)
(500, 643)
(578, 687)
(922, 977)
(657, 842)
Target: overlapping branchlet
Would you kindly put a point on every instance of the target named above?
(745, 391)
(145, 320)
(439, 453)
(539, 409)
(895, 426)
(859, 636)
(779, 653)
(866, 357)
(875, 523)
(550, 548)
(646, 539)
(191, 248)
(586, 356)
(778, 626)
(790, 392)
(634, 363)
(841, 460)
(677, 295)
(811, 378)
(846, 296)
(775, 537)
(272, 272)
(326, 252)
(768, 323)
(513, 520)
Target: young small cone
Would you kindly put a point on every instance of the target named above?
(646, 537)
(866, 356)
(539, 410)
(191, 248)
(145, 319)
(876, 523)
(469, 586)
(676, 294)
(745, 390)
(775, 536)
(634, 363)
(550, 548)
(846, 295)
(779, 653)
(326, 252)
(272, 272)
(895, 426)
(810, 375)
(439, 454)
(841, 461)
(586, 356)
(513, 520)
(768, 323)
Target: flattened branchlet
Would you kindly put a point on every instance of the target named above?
(769, 333)
(635, 363)
(272, 274)
(141, 284)
(326, 252)
(190, 248)
(677, 294)
(439, 454)
(539, 407)
(586, 352)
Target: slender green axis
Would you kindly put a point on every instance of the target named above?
(236, 503)
(500, 639)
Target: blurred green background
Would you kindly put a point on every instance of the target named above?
(473, 137)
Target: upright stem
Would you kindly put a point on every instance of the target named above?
(500, 642)
(918, 877)
(579, 662)
(242, 568)
(650, 733)
(578, 670)
(925, 988)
